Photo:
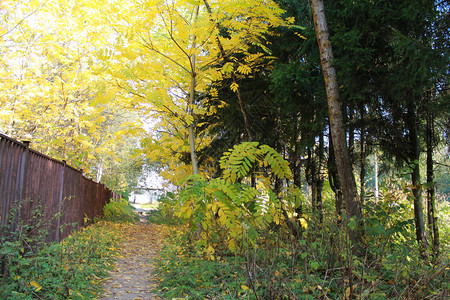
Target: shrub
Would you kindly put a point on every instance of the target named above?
(165, 212)
(119, 211)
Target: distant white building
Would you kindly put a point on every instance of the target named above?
(150, 189)
(143, 195)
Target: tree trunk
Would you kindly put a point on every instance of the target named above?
(334, 181)
(310, 176)
(414, 156)
(362, 172)
(431, 197)
(294, 161)
(191, 129)
(351, 132)
(345, 172)
(242, 108)
(319, 178)
(376, 177)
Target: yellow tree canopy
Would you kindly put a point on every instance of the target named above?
(70, 68)
(164, 50)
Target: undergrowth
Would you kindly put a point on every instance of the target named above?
(317, 265)
(119, 211)
(252, 234)
(73, 269)
(164, 214)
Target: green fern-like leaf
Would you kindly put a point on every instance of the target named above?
(239, 161)
(278, 165)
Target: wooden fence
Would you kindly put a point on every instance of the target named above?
(32, 179)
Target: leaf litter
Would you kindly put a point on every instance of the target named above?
(132, 278)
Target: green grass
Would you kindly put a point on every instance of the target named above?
(149, 205)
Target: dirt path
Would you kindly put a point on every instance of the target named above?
(132, 277)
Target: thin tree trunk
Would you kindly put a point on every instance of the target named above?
(431, 194)
(334, 181)
(310, 174)
(415, 180)
(362, 172)
(191, 105)
(296, 171)
(319, 178)
(376, 177)
(294, 164)
(337, 129)
(241, 106)
(351, 132)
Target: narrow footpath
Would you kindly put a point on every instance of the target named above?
(131, 278)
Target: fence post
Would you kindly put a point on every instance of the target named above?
(61, 194)
(23, 162)
(7, 150)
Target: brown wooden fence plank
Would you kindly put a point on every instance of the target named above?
(28, 174)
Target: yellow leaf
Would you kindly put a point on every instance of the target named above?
(304, 223)
(36, 285)
(301, 36)
(244, 69)
(244, 287)
(234, 87)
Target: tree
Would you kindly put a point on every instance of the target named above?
(389, 56)
(337, 129)
(50, 93)
(168, 56)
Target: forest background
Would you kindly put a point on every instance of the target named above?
(227, 100)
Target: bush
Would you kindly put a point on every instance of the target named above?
(119, 211)
(165, 212)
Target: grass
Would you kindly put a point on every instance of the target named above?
(149, 205)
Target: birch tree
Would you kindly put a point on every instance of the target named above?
(337, 129)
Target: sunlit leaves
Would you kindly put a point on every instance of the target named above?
(230, 205)
(51, 93)
(171, 45)
(239, 161)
